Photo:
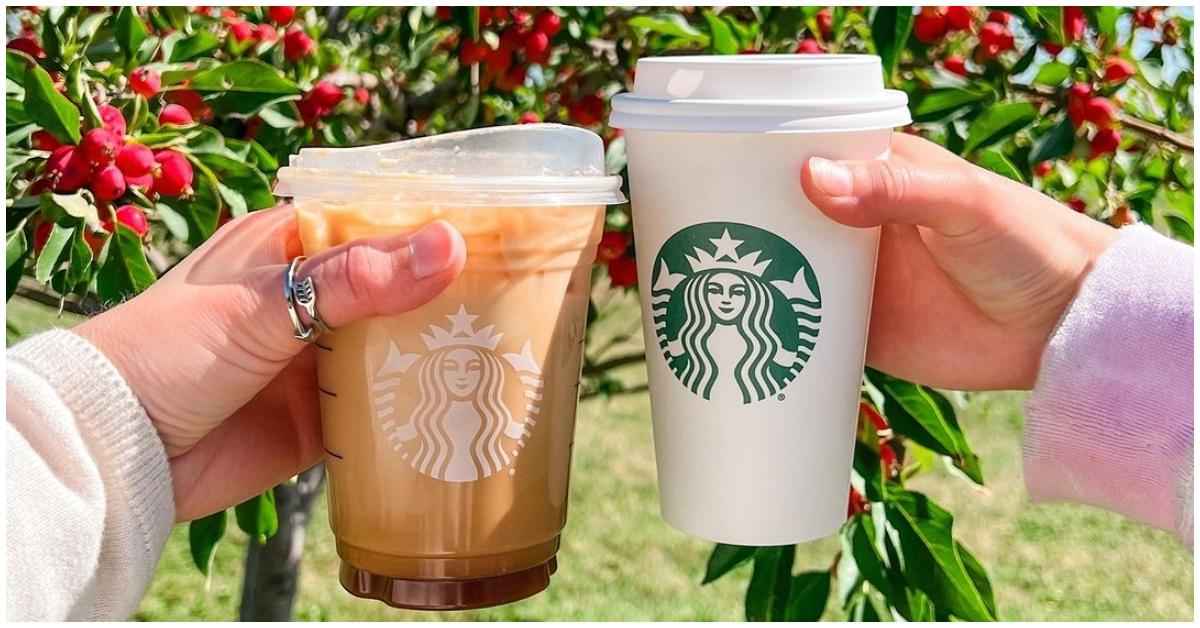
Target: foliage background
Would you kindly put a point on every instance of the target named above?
(1093, 106)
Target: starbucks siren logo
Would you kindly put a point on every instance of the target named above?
(737, 310)
(460, 428)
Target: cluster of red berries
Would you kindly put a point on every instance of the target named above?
(107, 164)
(888, 461)
(524, 39)
(322, 99)
(932, 24)
(1083, 106)
(613, 253)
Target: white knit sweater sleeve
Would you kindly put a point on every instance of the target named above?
(89, 489)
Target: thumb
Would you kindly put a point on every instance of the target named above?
(950, 200)
(370, 277)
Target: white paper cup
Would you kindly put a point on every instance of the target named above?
(755, 305)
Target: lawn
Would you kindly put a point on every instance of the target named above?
(619, 561)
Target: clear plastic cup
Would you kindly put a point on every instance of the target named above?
(448, 429)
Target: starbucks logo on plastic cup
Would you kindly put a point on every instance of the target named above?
(737, 310)
(444, 409)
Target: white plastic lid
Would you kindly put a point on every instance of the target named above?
(522, 165)
(760, 94)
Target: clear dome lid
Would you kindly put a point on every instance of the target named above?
(529, 164)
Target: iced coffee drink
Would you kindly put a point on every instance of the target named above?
(448, 429)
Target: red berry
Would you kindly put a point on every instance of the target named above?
(887, 456)
(242, 31)
(362, 95)
(58, 159)
(529, 117)
(1042, 168)
(930, 26)
(588, 111)
(112, 119)
(1100, 111)
(856, 504)
(131, 216)
(1117, 70)
(27, 45)
(537, 47)
(192, 101)
(107, 183)
(1051, 48)
(472, 52)
(1122, 216)
(809, 46)
(1079, 93)
(513, 38)
(1105, 142)
(622, 272)
(143, 182)
(444, 14)
(956, 64)
(281, 15)
(44, 140)
(547, 22)
(1074, 23)
(995, 38)
(175, 114)
(824, 20)
(512, 79)
(1145, 18)
(41, 234)
(1170, 33)
(145, 81)
(265, 32)
(960, 18)
(174, 176)
(74, 173)
(1078, 205)
(999, 17)
(498, 60)
(297, 45)
(95, 241)
(613, 244)
(100, 146)
(327, 94)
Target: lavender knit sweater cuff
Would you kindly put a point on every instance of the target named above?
(1110, 422)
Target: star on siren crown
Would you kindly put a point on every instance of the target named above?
(726, 257)
(461, 333)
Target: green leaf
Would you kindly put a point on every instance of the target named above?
(192, 46)
(203, 537)
(927, 417)
(54, 252)
(890, 28)
(1052, 19)
(200, 211)
(1053, 74)
(998, 122)
(938, 103)
(131, 32)
(16, 253)
(995, 161)
(1024, 62)
(80, 262)
(978, 576)
(73, 205)
(862, 609)
(932, 561)
(15, 63)
(858, 546)
(809, 593)
(257, 517)
(724, 558)
(240, 178)
(125, 271)
(48, 108)
(245, 75)
(1057, 142)
(671, 25)
(770, 583)
(722, 39)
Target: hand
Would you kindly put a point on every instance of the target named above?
(209, 350)
(974, 272)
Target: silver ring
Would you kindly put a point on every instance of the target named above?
(304, 294)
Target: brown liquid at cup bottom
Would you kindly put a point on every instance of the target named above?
(448, 429)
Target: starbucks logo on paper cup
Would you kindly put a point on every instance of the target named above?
(444, 410)
(736, 310)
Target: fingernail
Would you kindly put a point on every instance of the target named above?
(831, 177)
(431, 249)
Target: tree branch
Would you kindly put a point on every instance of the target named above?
(608, 365)
(624, 391)
(1138, 125)
(30, 289)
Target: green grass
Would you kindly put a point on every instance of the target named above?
(619, 561)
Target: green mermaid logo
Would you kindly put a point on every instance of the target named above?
(736, 310)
